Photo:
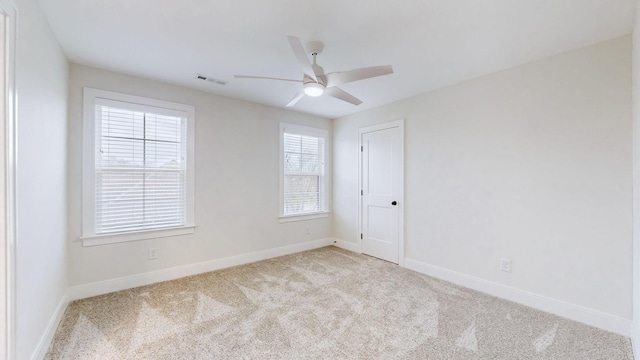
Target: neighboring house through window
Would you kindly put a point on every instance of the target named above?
(138, 168)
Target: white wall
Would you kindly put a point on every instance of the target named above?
(41, 76)
(531, 163)
(636, 183)
(236, 155)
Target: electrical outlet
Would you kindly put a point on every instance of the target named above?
(306, 230)
(505, 265)
(153, 253)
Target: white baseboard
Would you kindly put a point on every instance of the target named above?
(347, 245)
(128, 282)
(52, 326)
(578, 313)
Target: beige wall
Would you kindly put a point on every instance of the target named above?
(236, 157)
(531, 163)
(41, 76)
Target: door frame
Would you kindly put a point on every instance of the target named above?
(367, 129)
(8, 171)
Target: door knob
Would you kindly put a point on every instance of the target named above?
(394, 203)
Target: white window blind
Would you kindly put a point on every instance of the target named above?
(303, 178)
(140, 168)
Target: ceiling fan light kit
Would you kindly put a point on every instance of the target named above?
(313, 89)
(315, 82)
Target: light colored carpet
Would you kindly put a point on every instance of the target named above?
(320, 304)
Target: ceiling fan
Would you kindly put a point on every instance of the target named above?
(315, 82)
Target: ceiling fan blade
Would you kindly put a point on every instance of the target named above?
(343, 77)
(301, 55)
(296, 99)
(342, 95)
(263, 78)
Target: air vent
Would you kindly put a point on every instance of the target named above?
(210, 79)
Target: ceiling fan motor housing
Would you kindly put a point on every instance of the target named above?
(319, 71)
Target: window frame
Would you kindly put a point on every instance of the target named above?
(89, 236)
(324, 188)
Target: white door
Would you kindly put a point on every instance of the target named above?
(381, 190)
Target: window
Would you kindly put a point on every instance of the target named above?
(138, 168)
(303, 175)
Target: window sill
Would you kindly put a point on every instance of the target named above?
(136, 235)
(312, 216)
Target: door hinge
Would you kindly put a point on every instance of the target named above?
(360, 236)
(361, 148)
(361, 192)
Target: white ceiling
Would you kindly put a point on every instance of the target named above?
(430, 43)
